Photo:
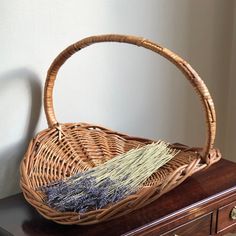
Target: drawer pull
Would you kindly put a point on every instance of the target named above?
(233, 213)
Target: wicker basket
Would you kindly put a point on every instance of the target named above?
(64, 149)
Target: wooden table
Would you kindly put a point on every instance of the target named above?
(202, 205)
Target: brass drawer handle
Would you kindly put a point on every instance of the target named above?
(233, 213)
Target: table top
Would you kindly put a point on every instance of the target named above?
(19, 218)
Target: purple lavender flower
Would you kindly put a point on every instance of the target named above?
(85, 194)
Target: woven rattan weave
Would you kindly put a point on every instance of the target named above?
(64, 149)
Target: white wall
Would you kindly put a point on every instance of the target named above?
(230, 149)
(122, 87)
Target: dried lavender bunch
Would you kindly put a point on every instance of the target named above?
(109, 182)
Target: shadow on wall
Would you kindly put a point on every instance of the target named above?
(18, 123)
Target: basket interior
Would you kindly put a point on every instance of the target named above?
(60, 153)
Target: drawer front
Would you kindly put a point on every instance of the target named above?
(226, 217)
(198, 227)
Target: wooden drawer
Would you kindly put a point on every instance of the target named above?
(199, 227)
(225, 220)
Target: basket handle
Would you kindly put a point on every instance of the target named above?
(186, 69)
